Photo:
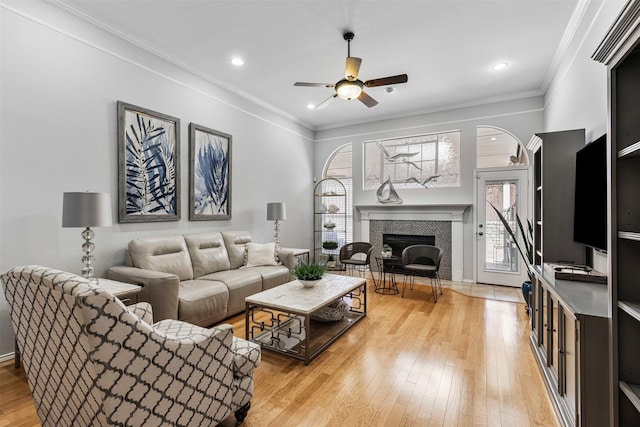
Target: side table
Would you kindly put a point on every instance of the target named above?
(125, 292)
(301, 255)
(386, 265)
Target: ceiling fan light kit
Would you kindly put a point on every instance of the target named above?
(350, 87)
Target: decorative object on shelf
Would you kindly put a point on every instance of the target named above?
(331, 261)
(209, 174)
(309, 274)
(276, 211)
(329, 225)
(86, 210)
(387, 194)
(528, 249)
(148, 165)
(323, 208)
(329, 245)
(579, 273)
(386, 251)
(333, 209)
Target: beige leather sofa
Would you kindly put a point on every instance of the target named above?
(198, 278)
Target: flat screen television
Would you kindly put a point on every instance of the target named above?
(590, 210)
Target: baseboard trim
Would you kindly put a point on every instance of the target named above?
(8, 356)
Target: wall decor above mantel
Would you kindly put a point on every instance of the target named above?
(148, 165)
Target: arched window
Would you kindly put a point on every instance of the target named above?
(499, 148)
(339, 166)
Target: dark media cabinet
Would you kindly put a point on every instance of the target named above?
(569, 336)
(569, 320)
(620, 51)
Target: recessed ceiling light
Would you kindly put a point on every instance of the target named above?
(311, 106)
(237, 61)
(493, 138)
(499, 66)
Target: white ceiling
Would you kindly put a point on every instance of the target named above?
(446, 47)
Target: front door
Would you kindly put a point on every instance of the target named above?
(498, 259)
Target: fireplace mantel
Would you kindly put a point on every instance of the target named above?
(444, 212)
(452, 213)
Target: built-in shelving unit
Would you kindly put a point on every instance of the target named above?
(329, 220)
(620, 51)
(553, 205)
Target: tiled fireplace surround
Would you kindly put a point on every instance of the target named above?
(442, 221)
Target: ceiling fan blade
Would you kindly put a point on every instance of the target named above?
(352, 68)
(326, 102)
(392, 80)
(314, 84)
(367, 100)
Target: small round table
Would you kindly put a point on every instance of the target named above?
(386, 265)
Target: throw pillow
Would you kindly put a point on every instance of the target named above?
(260, 254)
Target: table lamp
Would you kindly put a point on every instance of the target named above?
(86, 210)
(276, 211)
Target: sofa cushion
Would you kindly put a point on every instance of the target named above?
(202, 302)
(235, 242)
(272, 276)
(165, 254)
(208, 253)
(260, 254)
(241, 284)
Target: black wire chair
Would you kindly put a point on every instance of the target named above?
(361, 263)
(423, 261)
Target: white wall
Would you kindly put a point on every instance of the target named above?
(577, 95)
(522, 117)
(60, 80)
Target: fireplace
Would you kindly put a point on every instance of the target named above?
(400, 241)
(445, 222)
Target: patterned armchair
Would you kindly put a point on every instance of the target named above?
(91, 361)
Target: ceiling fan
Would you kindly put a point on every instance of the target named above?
(350, 87)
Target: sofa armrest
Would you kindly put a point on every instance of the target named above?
(158, 288)
(287, 259)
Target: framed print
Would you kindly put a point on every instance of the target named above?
(148, 165)
(210, 174)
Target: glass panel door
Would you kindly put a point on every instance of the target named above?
(499, 261)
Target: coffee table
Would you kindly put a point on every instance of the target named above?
(280, 319)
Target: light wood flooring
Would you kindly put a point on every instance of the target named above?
(464, 361)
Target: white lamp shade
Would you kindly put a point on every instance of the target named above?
(86, 210)
(276, 210)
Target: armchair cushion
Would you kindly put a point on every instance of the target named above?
(143, 310)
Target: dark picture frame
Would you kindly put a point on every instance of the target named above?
(210, 174)
(148, 165)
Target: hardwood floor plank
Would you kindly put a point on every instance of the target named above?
(464, 361)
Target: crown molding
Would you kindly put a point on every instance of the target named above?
(625, 24)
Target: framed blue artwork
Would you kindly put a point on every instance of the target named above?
(148, 165)
(210, 174)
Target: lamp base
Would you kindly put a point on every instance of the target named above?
(87, 259)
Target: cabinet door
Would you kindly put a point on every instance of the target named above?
(569, 354)
(544, 322)
(553, 360)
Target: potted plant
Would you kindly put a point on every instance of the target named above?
(526, 254)
(329, 245)
(309, 274)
